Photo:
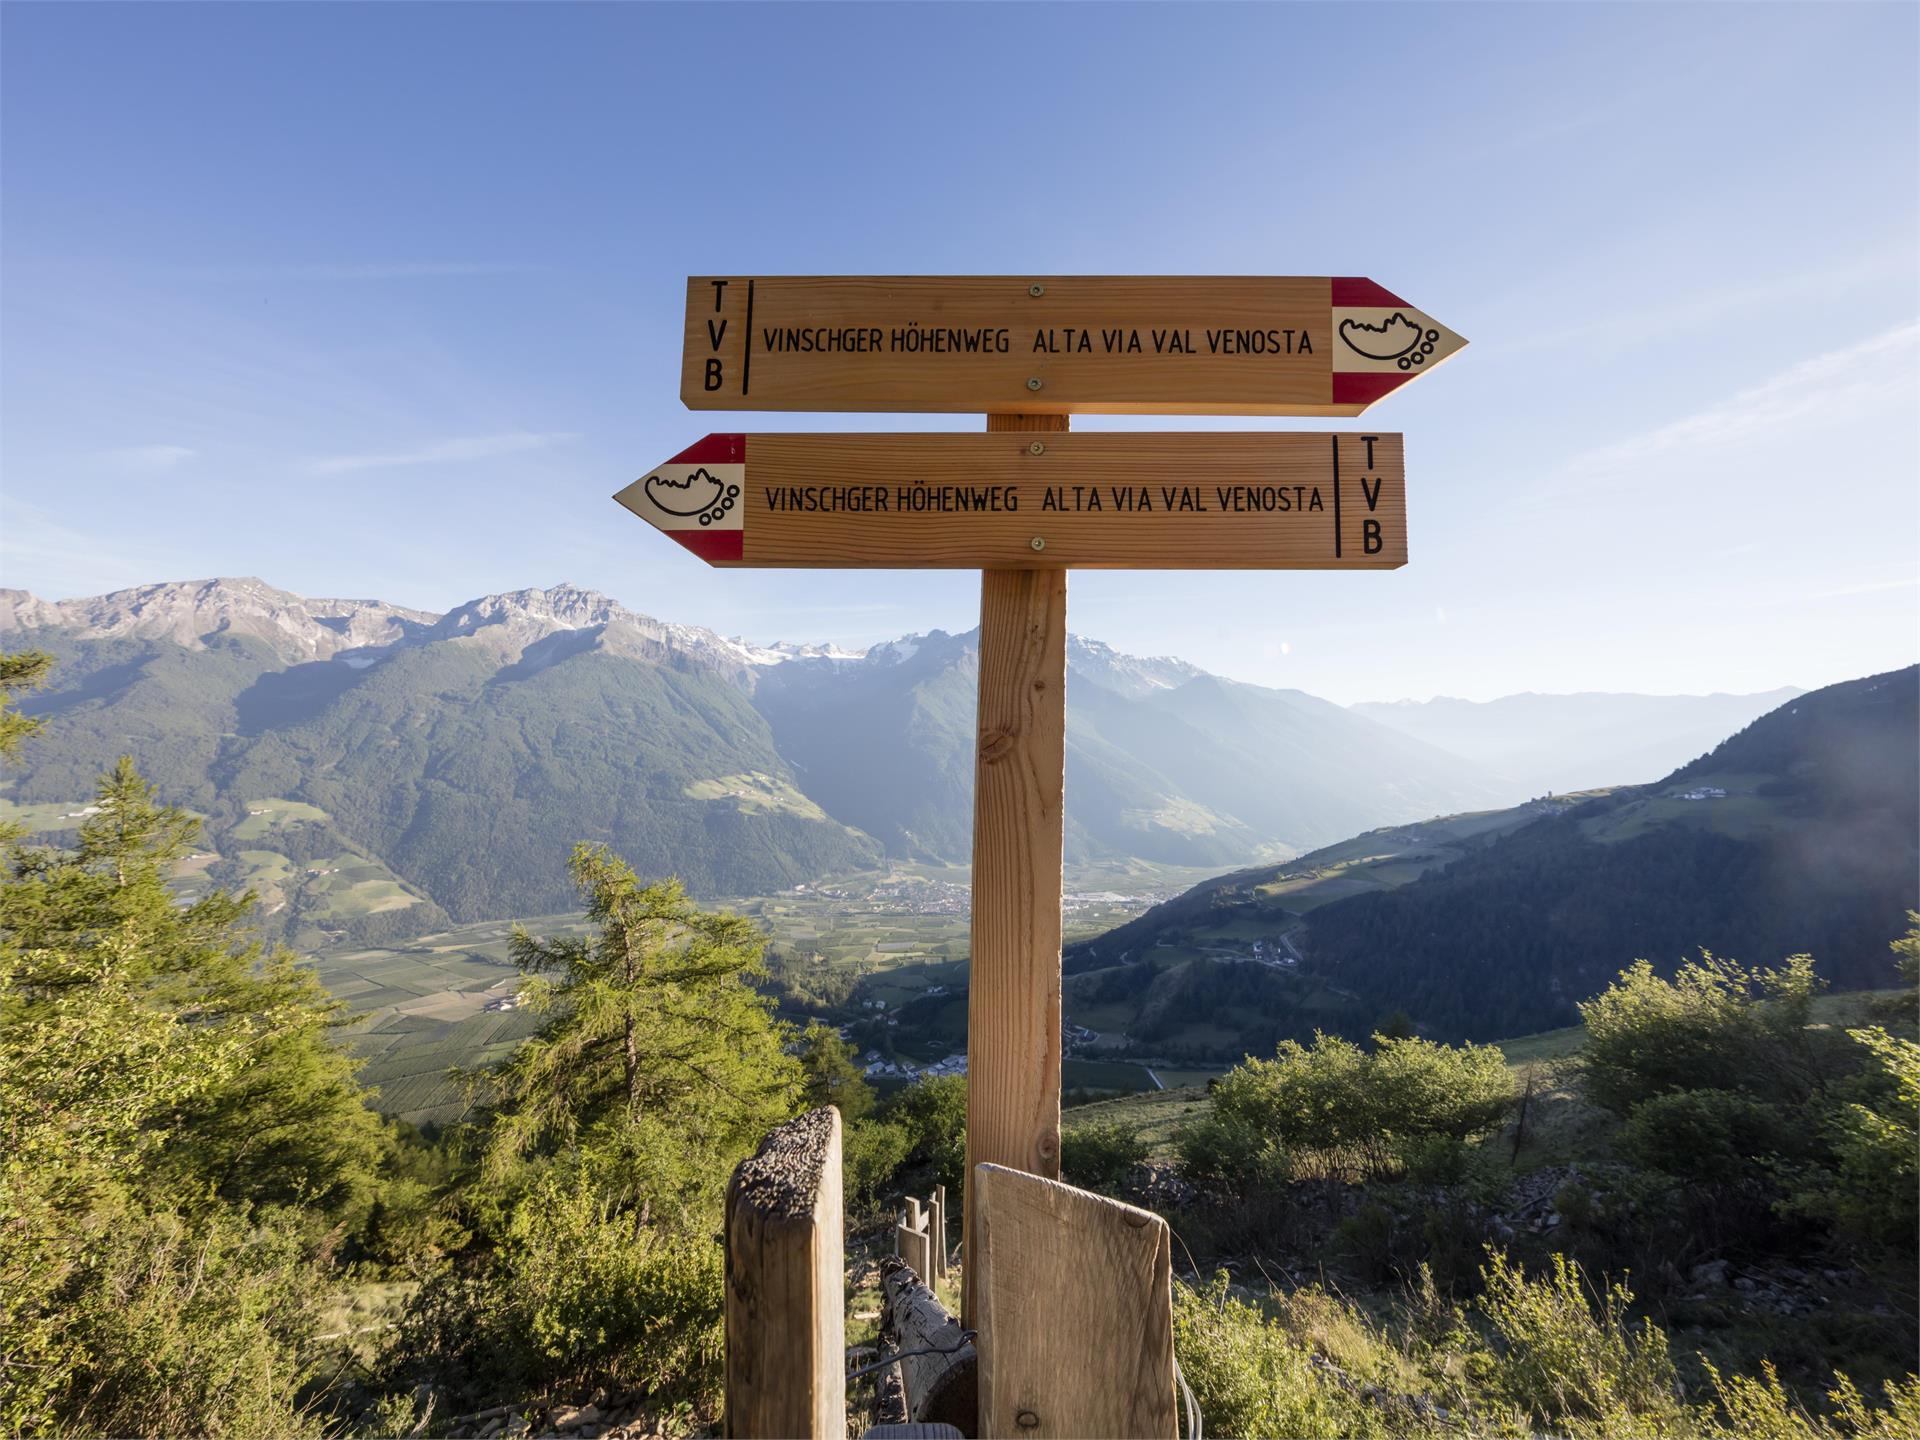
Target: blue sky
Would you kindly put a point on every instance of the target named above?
(385, 300)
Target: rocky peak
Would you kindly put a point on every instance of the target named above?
(192, 612)
(1130, 675)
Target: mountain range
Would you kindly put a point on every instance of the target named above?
(377, 769)
(1795, 835)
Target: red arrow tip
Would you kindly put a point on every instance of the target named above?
(1358, 290)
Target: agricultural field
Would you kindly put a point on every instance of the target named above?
(45, 817)
(1742, 812)
(430, 1005)
(755, 793)
(891, 936)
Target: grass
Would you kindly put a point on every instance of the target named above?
(1154, 1115)
(753, 793)
(1103, 1075)
(266, 816)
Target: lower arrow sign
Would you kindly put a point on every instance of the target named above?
(1160, 501)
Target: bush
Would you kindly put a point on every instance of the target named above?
(872, 1151)
(580, 1294)
(1874, 1193)
(933, 1112)
(1338, 1109)
(1714, 1026)
(1562, 1362)
(1709, 1136)
(199, 1327)
(1252, 1377)
(1227, 1150)
(1099, 1157)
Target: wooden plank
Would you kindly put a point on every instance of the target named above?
(938, 1363)
(1013, 1004)
(1075, 1310)
(785, 1302)
(1271, 500)
(1053, 344)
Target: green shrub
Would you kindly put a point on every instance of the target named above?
(1251, 1377)
(1099, 1157)
(1706, 1135)
(1874, 1193)
(1334, 1108)
(1714, 1026)
(871, 1152)
(933, 1112)
(1226, 1149)
(200, 1327)
(1562, 1362)
(580, 1294)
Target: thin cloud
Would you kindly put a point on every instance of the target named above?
(148, 459)
(1837, 387)
(444, 452)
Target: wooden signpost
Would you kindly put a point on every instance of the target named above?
(1024, 503)
(1000, 501)
(1053, 344)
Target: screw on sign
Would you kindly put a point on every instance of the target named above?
(1030, 352)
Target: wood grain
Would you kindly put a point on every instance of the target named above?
(1075, 1312)
(1013, 1005)
(1166, 500)
(785, 1300)
(1154, 344)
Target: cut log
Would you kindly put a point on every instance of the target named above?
(940, 1386)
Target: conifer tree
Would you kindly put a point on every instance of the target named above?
(659, 1064)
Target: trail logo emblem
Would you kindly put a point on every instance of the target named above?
(1396, 338)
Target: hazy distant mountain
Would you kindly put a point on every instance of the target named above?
(1796, 834)
(1555, 743)
(1164, 762)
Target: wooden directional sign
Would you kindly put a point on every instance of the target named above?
(1053, 344)
(1000, 501)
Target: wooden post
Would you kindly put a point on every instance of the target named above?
(910, 1243)
(937, 1229)
(785, 1300)
(1075, 1310)
(1013, 1004)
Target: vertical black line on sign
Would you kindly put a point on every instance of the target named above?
(746, 349)
(1336, 484)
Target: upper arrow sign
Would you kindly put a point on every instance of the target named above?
(1052, 344)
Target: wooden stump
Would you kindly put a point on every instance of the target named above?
(785, 1305)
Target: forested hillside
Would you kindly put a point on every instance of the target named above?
(1797, 835)
(441, 763)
